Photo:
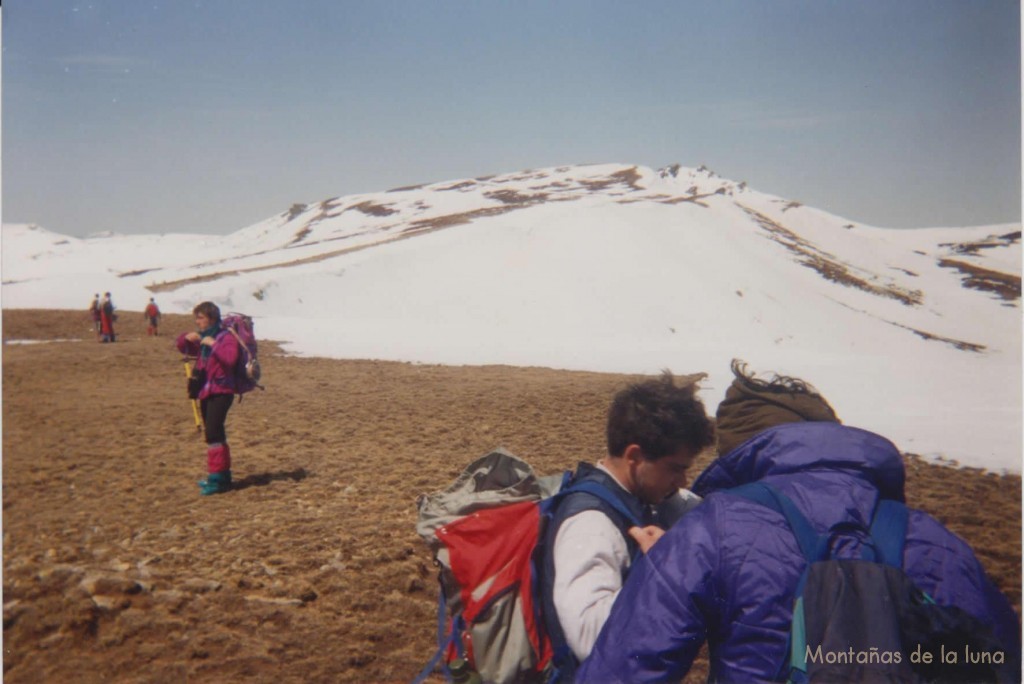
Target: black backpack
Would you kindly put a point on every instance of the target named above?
(864, 620)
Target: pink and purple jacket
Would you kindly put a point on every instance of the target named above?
(219, 365)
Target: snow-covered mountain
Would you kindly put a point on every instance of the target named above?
(915, 334)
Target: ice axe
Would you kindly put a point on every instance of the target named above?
(194, 402)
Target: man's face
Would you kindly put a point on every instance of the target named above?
(657, 480)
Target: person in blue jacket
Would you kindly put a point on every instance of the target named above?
(727, 572)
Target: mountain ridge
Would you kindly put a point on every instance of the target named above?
(608, 267)
(314, 225)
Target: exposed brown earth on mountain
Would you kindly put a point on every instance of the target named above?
(1005, 285)
(827, 265)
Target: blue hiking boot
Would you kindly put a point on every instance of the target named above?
(215, 483)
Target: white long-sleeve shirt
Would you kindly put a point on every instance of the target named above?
(590, 559)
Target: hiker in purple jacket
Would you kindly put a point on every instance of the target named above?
(216, 353)
(727, 572)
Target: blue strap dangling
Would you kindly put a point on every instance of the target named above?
(889, 531)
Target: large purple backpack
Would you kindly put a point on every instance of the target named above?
(247, 371)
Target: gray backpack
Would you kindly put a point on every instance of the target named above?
(483, 531)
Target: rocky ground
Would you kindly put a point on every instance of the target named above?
(310, 570)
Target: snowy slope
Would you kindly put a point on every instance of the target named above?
(915, 334)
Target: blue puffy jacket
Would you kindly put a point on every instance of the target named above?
(726, 573)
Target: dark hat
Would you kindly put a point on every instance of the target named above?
(752, 406)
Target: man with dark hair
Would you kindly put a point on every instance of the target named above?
(728, 573)
(655, 430)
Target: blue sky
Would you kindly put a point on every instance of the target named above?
(208, 116)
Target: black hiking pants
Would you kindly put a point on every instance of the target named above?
(215, 414)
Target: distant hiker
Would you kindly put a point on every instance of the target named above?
(655, 430)
(94, 311)
(152, 314)
(729, 572)
(216, 351)
(107, 319)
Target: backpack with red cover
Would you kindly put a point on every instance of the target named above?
(247, 371)
(486, 532)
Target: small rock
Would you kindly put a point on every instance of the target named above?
(169, 595)
(119, 566)
(112, 603)
(198, 585)
(171, 598)
(60, 573)
(274, 601)
(95, 583)
(361, 659)
(12, 610)
(133, 620)
(111, 640)
(52, 640)
(334, 565)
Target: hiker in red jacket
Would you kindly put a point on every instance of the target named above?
(216, 352)
(152, 314)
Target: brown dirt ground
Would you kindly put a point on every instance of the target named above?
(115, 569)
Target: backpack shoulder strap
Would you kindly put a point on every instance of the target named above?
(602, 493)
(889, 531)
(768, 496)
(240, 342)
